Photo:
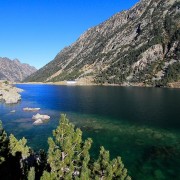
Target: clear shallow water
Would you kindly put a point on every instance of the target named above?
(139, 124)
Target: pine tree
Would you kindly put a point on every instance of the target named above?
(48, 176)
(68, 155)
(119, 172)
(3, 144)
(31, 174)
(18, 146)
(19, 152)
(104, 169)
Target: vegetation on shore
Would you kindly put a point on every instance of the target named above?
(67, 158)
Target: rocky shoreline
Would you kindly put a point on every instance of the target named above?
(175, 85)
(8, 93)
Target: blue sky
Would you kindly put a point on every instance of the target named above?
(34, 31)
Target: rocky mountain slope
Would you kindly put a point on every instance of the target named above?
(14, 70)
(139, 46)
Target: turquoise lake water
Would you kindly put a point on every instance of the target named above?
(142, 125)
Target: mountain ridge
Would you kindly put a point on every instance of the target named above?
(14, 70)
(134, 46)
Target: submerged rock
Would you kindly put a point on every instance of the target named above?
(38, 121)
(31, 109)
(39, 116)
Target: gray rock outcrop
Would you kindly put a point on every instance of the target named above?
(9, 94)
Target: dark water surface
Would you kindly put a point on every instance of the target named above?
(142, 125)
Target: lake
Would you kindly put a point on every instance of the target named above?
(139, 124)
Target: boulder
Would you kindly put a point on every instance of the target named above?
(31, 109)
(38, 121)
(42, 117)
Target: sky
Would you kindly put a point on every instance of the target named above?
(34, 31)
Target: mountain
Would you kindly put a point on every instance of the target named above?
(139, 46)
(14, 70)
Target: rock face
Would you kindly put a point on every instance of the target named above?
(14, 70)
(137, 46)
(9, 94)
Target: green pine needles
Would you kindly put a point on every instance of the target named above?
(68, 158)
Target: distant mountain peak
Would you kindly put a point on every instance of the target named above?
(14, 70)
(16, 60)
